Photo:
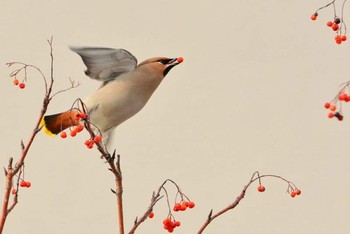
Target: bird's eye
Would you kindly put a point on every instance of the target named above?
(165, 61)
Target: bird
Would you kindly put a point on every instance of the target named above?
(126, 88)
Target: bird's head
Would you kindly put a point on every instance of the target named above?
(161, 64)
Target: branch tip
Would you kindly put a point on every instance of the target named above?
(210, 214)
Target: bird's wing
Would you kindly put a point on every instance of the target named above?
(106, 64)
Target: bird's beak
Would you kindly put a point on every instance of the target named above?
(172, 63)
(176, 61)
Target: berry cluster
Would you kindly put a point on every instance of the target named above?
(332, 111)
(91, 142)
(82, 116)
(292, 189)
(335, 106)
(337, 24)
(182, 206)
(295, 192)
(170, 224)
(73, 132)
(182, 203)
(21, 85)
(24, 183)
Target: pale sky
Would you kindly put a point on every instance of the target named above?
(249, 96)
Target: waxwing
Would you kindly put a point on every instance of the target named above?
(126, 88)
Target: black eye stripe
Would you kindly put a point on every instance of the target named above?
(165, 61)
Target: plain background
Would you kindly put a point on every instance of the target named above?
(249, 96)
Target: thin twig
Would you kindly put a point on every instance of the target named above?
(73, 85)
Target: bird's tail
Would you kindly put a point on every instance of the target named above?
(54, 124)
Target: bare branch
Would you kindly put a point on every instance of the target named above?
(25, 147)
(255, 176)
(114, 167)
(73, 85)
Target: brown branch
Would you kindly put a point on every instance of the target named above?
(15, 197)
(231, 206)
(114, 168)
(73, 85)
(154, 199)
(4, 212)
(11, 172)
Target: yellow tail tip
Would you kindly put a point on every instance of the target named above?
(46, 131)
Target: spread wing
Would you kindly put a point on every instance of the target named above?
(106, 64)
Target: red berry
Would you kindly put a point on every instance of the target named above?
(297, 192)
(191, 205)
(73, 133)
(332, 107)
(344, 38)
(79, 128)
(151, 215)
(182, 207)
(342, 96)
(13, 191)
(167, 221)
(335, 27)
(97, 139)
(15, 82)
(338, 39)
(330, 115)
(23, 183)
(28, 184)
(293, 194)
(314, 16)
(177, 224)
(329, 23)
(22, 85)
(327, 105)
(177, 207)
(63, 134)
(91, 144)
(261, 188)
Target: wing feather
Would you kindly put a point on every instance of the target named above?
(106, 64)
